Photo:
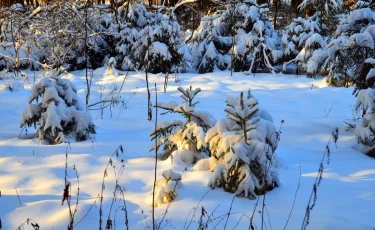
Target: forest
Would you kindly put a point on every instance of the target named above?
(178, 114)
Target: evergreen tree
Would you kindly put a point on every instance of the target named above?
(151, 40)
(60, 113)
(243, 146)
(324, 8)
(312, 56)
(183, 139)
(353, 43)
(240, 37)
(294, 35)
(204, 45)
(136, 20)
(365, 129)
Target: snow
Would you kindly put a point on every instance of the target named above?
(353, 22)
(37, 170)
(14, 85)
(363, 40)
(171, 175)
(366, 99)
(50, 94)
(160, 49)
(315, 39)
(52, 119)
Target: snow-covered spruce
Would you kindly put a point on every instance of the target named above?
(136, 20)
(294, 35)
(324, 8)
(243, 147)
(240, 37)
(183, 140)
(365, 129)
(353, 43)
(312, 57)
(152, 41)
(59, 114)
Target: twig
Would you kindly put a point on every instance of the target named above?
(268, 217)
(156, 157)
(295, 195)
(122, 191)
(105, 174)
(230, 209)
(351, 125)
(92, 205)
(238, 222)
(71, 224)
(18, 196)
(263, 205)
(22, 131)
(329, 111)
(195, 209)
(211, 215)
(114, 198)
(318, 179)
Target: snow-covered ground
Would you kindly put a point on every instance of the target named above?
(311, 110)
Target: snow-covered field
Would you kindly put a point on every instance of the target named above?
(311, 110)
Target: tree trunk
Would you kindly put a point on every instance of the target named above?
(276, 9)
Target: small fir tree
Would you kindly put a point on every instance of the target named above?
(59, 114)
(183, 139)
(243, 146)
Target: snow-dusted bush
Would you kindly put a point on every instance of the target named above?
(243, 149)
(167, 187)
(111, 70)
(74, 27)
(29, 40)
(13, 85)
(263, 44)
(18, 47)
(294, 35)
(183, 140)
(241, 37)
(59, 114)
